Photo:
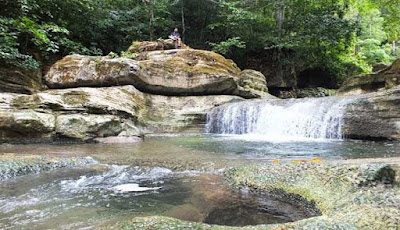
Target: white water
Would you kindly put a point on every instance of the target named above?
(279, 120)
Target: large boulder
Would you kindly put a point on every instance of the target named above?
(187, 73)
(81, 114)
(254, 83)
(85, 71)
(87, 126)
(177, 72)
(26, 126)
(17, 80)
(124, 101)
(384, 79)
(374, 116)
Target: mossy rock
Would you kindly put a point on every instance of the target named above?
(348, 196)
(12, 165)
(146, 46)
(383, 79)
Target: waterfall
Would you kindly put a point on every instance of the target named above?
(281, 119)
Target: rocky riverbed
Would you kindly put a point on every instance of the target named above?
(312, 191)
(342, 196)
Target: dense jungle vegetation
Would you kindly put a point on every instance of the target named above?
(342, 37)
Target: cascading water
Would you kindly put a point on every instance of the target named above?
(315, 118)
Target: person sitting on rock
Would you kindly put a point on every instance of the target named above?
(177, 38)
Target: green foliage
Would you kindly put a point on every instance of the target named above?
(129, 55)
(343, 37)
(9, 53)
(113, 55)
(373, 52)
(226, 46)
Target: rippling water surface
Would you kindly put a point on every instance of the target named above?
(84, 198)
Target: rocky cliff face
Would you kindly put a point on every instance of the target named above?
(86, 114)
(374, 116)
(16, 80)
(381, 80)
(157, 89)
(160, 89)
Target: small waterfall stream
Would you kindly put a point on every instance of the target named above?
(316, 118)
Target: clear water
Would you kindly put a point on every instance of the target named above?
(83, 198)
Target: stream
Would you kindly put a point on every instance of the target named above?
(85, 197)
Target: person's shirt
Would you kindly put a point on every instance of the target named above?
(176, 34)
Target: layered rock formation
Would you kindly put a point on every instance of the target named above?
(89, 113)
(374, 116)
(183, 72)
(155, 88)
(16, 80)
(381, 80)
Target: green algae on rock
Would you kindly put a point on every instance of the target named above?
(159, 70)
(345, 194)
(12, 165)
(146, 46)
(348, 196)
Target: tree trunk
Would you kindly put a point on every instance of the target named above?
(151, 19)
(280, 18)
(183, 20)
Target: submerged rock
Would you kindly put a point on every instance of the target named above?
(12, 165)
(117, 140)
(383, 79)
(347, 196)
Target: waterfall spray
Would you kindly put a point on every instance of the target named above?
(294, 119)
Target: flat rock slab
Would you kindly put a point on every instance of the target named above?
(386, 78)
(117, 140)
(12, 165)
